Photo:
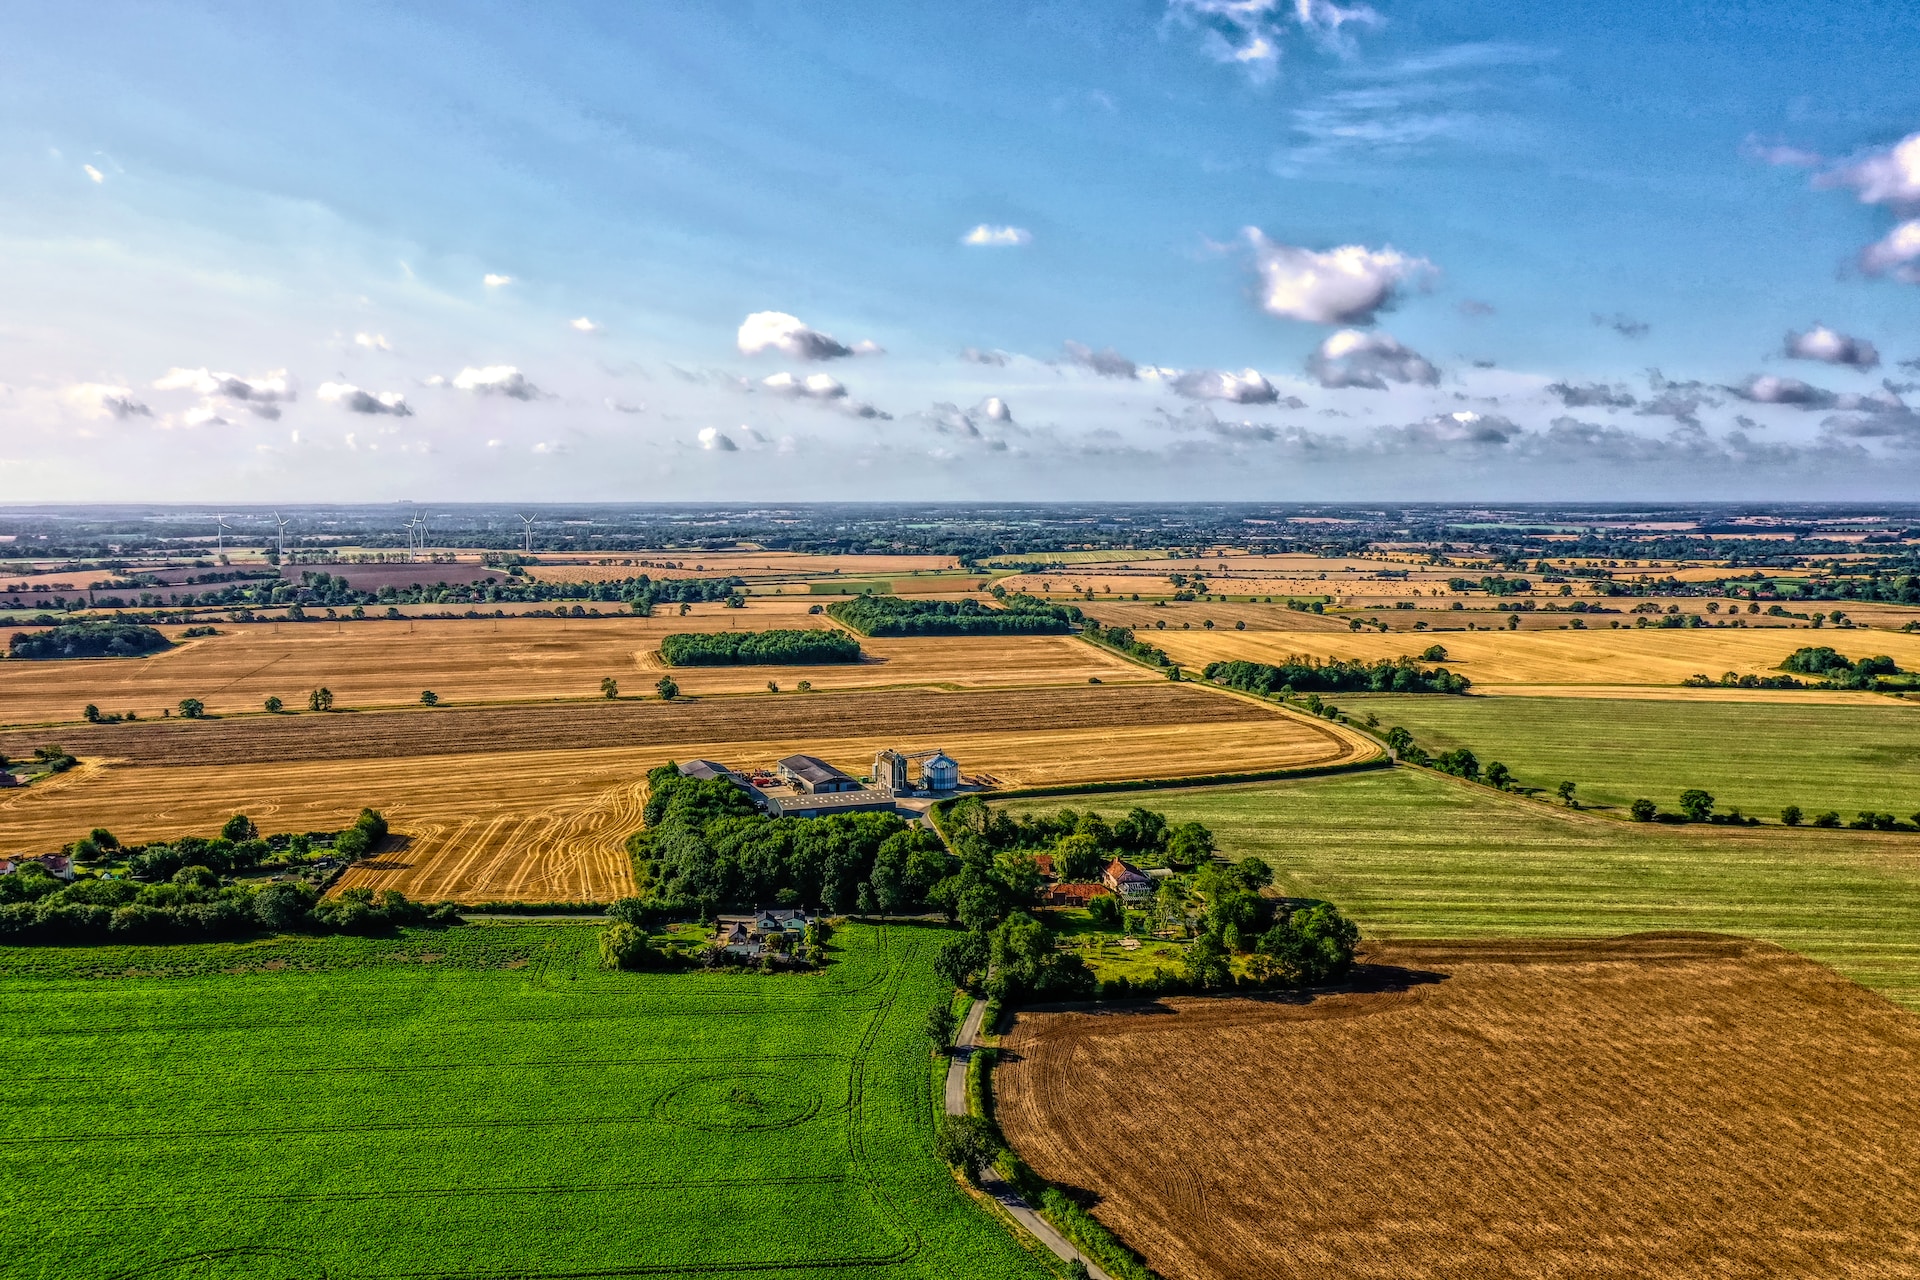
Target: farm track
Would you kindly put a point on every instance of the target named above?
(587, 725)
(1680, 1105)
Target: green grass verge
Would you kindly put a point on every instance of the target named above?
(1409, 853)
(1759, 756)
(480, 1101)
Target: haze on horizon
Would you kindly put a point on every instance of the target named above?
(1208, 249)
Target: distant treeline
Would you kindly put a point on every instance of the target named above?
(1124, 641)
(87, 640)
(1019, 615)
(326, 590)
(746, 648)
(1304, 675)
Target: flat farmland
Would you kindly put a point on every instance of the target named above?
(550, 825)
(1757, 756)
(1674, 1106)
(1550, 658)
(387, 663)
(741, 564)
(479, 1101)
(1409, 853)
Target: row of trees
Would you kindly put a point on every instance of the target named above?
(742, 648)
(87, 640)
(1124, 641)
(1300, 675)
(1839, 671)
(1079, 843)
(1021, 615)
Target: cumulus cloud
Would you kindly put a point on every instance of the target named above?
(262, 396)
(208, 415)
(1351, 358)
(1581, 395)
(715, 440)
(1250, 34)
(1248, 386)
(372, 341)
(1767, 388)
(818, 386)
(1897, 253)
(778, 331)
(1889, 177)
(1822, 343)
(100, 400)
(1107, 362)
(994, 409)
(1345, 285)
(1462, 427)
(584, 325)
(93, 173)
(494, 280)
(991, 237)
(355, 400)
(995, 357)
(1624, 325)
(496, 380)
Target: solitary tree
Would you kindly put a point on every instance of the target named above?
(91, 715)
(274, 706)
(320, 699)
(1565, 791)
(1643, 810)
(239, 827)
(773, 686)
(192, 708)
(941, 1025)
(428, 698)
(1499, 777)
(667, 688)
(1791, 815)
(609, 687)
(1696, 804)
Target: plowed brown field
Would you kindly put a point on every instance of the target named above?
(1672, 1106)
(383, 663)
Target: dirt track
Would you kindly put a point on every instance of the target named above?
(1672, 1106)
(580, 726)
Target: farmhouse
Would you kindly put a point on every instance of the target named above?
(747, 936)
(1075, 895)
(1127, 880)
(57, 865)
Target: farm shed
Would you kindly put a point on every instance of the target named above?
(815, 776)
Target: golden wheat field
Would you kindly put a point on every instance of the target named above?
(384, 663)
(737, 564)
(549, 824)
(1549, 658)
(1662, 1105)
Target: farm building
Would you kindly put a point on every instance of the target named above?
(1075, 895)
(938, 771)
(1127, 880)
(747, 936)
(57, 865)
(815, 776)
(799, 804)
(707, 771)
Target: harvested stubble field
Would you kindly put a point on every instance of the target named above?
(1548, 658)
(1674, 1106)
(476, 1102)
(750, 565)
(1413, 854)
(1757, 756)
(387, 664)
(550, 825)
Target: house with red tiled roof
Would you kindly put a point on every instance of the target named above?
(1126, 879)
(1075, 895)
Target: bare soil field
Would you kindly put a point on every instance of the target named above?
(549, 824)
(384, 663)
(1549, 658)
(583, 726)
(1658, 1105)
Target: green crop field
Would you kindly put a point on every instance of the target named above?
(1410, 853)
(1758, 756)
(475, 1102)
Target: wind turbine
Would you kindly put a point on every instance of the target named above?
(410, 526)
(283, 533)
(529, 524)
(220, 530)
(422, 521)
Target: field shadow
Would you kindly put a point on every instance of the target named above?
(388, 859)
(1364, 979)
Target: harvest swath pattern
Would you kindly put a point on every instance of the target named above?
(1658, 1106)
(425, 1108)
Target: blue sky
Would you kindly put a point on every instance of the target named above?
(1223, 248)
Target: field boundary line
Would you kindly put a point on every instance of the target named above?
(1195, 780)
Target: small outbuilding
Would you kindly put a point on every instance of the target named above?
(815, 776)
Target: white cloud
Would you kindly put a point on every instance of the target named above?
(997, 237)
(994, 356)
(496, 444)
(585, 325)
(1345, 285)
(1248, 386)
(494, 281)
(208, 415)
(496, 380)
(1351, 358)
(97, 176)
(1890, 177)
(778, 331)
(1896, 253)
(549, 446)
(262, 395)
(717, 441)
(1822, 343)
(818, 386)
(994, 409)
(372, 341)
(354, 400)
(100, 400)
(1249, 33)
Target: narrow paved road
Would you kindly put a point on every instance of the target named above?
(990, 1182)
